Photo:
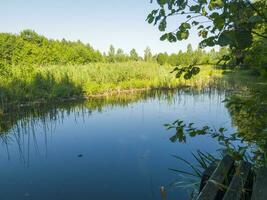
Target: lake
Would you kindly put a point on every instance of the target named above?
(114, 148)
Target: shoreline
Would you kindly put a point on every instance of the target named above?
(15, 107)
(11, 107)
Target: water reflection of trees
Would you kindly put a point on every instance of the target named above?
(247, 105)
(20, 127)
(248, 110)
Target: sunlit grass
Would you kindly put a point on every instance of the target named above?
(25, 84)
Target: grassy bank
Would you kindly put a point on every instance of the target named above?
(27, 84)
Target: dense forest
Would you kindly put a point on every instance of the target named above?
(30, 48)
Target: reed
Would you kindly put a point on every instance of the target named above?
(20, 84)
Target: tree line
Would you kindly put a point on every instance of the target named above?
(30, 48)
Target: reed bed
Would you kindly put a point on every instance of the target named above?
(20, 84)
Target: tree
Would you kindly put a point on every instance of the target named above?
(173, 60)
(189, 49)
(111, 53)
(230, 23)
(120, 56)
(30, 48)
(147, 54)
(162, 58)
(134, 55)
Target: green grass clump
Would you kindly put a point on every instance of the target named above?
(20, 84)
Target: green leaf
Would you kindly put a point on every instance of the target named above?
(195, 8)
(164, 36)
(185, 34)
(162, 12)
(182, 35)
(244, 39)
(227, 38)
(157, 19)
(200, 27)
(150, 18)
(162, 25)
(216, 4)
(214, 15)
(162, 2)
(219, 22)
(203, 33)
(187, 76)
(184, 26)
(172, 37)
(195, 70)
(208, 42)
(194, 23)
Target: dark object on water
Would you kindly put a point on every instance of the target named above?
(231, 181)
(80, 155)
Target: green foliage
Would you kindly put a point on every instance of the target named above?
(29, 48)
(199, 57)
(26, 84)
(256, 55)
(111, 54)
(187, 72)
(219, 22)
(186, 63)
(34, 68)
(148, 55)
(226, 140)
(119, 55)
(162, 58)
(134, 55)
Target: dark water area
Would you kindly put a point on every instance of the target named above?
(114, 148)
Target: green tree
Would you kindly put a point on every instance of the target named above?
(189, 49)
(111, 53)
(173, 60)
(162, 58)
(219, 22)
(134, 55)
(120, 56)
(147, 54)
(29, 48)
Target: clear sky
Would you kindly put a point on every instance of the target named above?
(98, 22)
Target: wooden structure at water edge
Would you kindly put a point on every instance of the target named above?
(229, 181)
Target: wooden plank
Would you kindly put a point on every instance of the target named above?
(237, 187)
(260, 186)
(206, 175)
(213, 189)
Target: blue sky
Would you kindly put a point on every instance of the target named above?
(98, 22)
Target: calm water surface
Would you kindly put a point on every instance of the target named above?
(111, 150)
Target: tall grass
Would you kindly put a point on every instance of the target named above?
(20, 84)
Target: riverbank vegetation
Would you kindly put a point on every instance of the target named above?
(28, 84)
(36, 69)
